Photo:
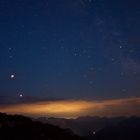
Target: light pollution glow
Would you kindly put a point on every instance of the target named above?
(75, 108)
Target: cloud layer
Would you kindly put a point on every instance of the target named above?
(75, 108)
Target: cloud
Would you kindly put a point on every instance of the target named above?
(74, 108)
(11, 100)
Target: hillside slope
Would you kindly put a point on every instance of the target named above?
(15, 127)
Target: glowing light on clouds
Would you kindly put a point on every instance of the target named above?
(75, 108)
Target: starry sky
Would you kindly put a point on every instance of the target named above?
(70, 49)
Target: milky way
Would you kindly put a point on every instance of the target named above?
(73, 49)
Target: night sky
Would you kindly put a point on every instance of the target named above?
(70, 49)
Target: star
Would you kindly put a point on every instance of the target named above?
(89, 56)
(113, 59)
(120, 47)
(12, 76)
(84, 51)
(20, 95)
(75, 54)
(10, 49)
(122, 73)
(94, 132)
(10, 56)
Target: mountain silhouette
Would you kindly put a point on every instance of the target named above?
(16, 127)
(128, 129)
(101, 128)
(82, 126)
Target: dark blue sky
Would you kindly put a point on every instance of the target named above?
(70, 48)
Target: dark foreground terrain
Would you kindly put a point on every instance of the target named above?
(101, 128)
(15, 127)
(128, 129)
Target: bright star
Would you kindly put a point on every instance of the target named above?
(12, 76)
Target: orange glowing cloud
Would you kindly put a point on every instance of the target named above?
(75, 108)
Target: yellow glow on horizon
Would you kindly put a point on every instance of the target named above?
(51, 108)
(75, 108)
